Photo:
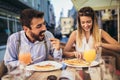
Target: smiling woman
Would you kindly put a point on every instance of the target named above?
(89, 36)
(101, 5)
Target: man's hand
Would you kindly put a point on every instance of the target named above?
(55, 43)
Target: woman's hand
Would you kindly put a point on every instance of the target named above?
(78, 55)
(97, 45)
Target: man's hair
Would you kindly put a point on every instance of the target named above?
(27, 15)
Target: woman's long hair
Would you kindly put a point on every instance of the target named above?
(87, 11)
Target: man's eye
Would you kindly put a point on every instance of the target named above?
(38, 26)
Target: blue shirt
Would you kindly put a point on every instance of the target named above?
(36, 49)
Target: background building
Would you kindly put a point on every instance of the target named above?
(10, 11)
(66, 25)
(73, 13)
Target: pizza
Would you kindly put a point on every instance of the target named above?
(76, 62)
(44, 67)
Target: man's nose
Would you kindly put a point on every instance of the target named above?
(44, 27)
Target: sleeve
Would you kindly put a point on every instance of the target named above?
(11, 53)
(57, 54)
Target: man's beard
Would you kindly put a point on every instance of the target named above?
(37, 37)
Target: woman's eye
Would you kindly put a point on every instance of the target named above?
(89, 21)
(82, 22)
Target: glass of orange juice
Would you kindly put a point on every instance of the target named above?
(24, 55)
(89, 55)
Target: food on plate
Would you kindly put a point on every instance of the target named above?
(44, 67)
(76, 62)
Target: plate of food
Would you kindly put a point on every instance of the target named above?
(44, 66)
(79, 63)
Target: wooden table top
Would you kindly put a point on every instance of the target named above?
(100, 72)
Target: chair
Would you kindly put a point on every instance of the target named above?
(115, 55)
(3, 69)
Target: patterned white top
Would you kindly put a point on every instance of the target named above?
(86, 45)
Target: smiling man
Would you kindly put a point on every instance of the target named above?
(41, 43)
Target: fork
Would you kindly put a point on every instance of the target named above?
(35, 60)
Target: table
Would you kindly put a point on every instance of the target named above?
(44, 75)
(99, 72)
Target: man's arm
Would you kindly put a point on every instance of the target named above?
(11, 53)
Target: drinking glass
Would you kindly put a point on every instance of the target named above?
(67, 75)
(89, 55)
(24, 59)
(98, 54)
(58, 58)
(24, 55)
(109, 62)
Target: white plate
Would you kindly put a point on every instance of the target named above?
(94, 63)
(55, 64)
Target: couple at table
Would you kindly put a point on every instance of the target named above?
(42, 43)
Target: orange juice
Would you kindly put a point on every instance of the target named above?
(25, 58)
(89, 55)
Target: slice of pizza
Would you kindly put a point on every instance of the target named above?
(76, 62)
(44, 67)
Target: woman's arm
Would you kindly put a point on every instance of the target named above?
(110, 43)
(69, 45)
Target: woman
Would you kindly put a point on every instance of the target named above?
(88, 35)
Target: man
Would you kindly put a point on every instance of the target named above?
(34, 34)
